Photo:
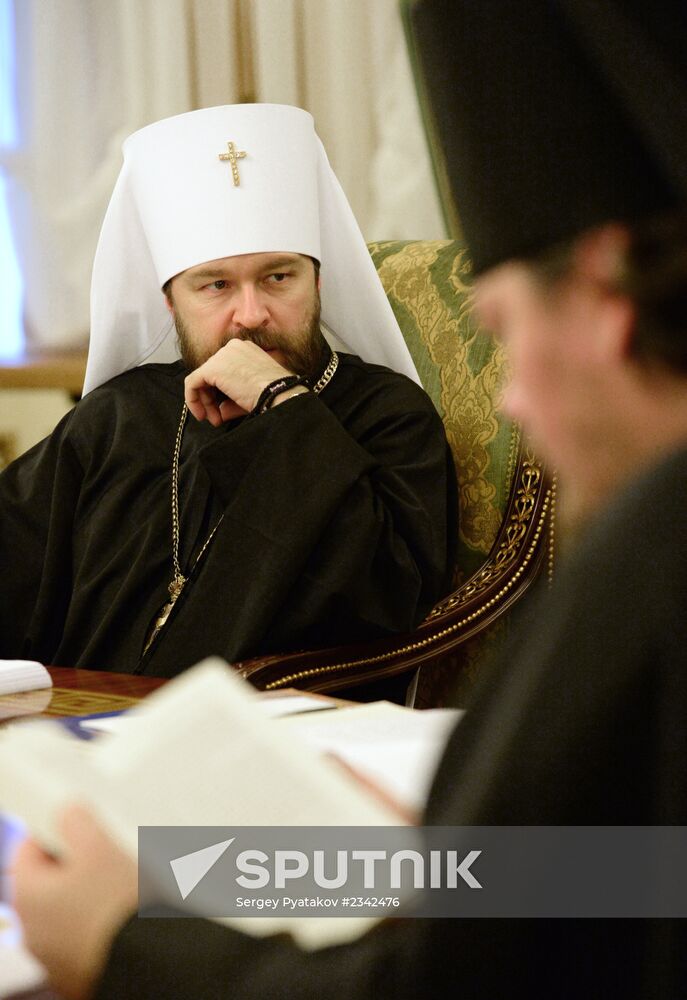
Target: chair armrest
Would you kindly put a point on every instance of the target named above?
(518, 555)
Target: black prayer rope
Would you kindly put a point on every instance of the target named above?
(273, 389)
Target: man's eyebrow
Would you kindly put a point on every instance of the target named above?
(213, 273)
(281, 261)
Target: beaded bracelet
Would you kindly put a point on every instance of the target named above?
(274, 389)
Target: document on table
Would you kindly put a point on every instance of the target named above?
(22, 675)
(398, 748)
(273, 708)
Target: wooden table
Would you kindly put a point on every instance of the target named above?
(88, 692)
(79, 692)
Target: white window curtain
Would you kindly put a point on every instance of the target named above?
(88, 74)
(10, 280)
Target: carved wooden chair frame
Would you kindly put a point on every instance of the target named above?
(523, 547)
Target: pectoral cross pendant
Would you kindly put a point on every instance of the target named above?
(175, 588)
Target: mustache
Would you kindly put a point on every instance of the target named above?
(261, 338)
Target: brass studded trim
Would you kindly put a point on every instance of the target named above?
(508, 549)
(513, 558)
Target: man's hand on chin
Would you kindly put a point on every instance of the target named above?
(72, 907)
(239, 371)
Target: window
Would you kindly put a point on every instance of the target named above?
(11, 333)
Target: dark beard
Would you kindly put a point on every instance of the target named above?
(305, 352)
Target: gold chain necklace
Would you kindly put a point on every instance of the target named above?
(178, 581)
(327, 375)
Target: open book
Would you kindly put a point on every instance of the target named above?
(197, 752)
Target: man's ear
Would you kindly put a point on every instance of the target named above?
(318, 278)
(600, 253)
(599, 262)
(167, 292)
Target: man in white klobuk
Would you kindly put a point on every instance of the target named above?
(305, 501)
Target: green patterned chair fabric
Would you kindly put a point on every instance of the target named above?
(463, 371)
(505, 500)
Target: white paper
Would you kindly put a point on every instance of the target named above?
(22, 675)
(397, 748)
(274, 708)
(199, 753)
(109, 724)
(19, 972)
(296, 704)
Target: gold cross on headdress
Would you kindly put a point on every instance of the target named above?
(233, 156)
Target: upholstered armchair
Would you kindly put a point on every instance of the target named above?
(506, 501)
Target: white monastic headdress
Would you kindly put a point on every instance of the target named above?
(176, 205)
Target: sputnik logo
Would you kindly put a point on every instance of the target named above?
(189, 869)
